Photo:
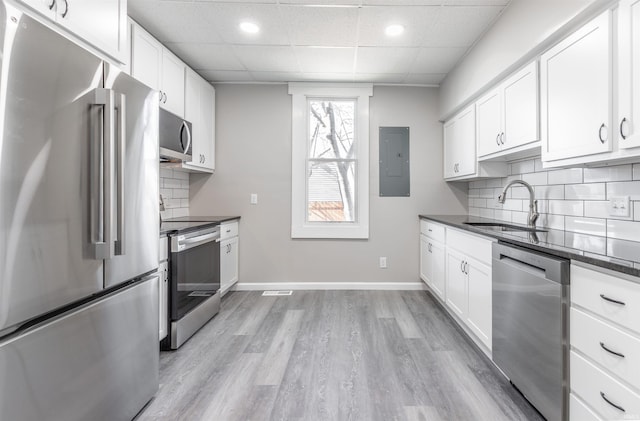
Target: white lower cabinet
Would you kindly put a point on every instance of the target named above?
(229, 263)
(605, 345)
(457, 291)
(432, 265)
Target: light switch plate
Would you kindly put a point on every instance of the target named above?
(619, 206)
(254, 198)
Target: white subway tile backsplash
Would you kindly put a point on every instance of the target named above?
(591, 226)
(627, 188)
(477, 184)
(474, 211)
(549, 192)
(166, 173)
(181, 175)
(623, 230)
(166, 193)
(180, 212)
(607, 174)
(595, 191)
(522, 167)
(537, 165)
(486, 193)
(171, 183)
(494, 182)
(600, 209)
(180, 193)
(588, 243)
(567, 176)
(517, 192)
(174, 188)
(566, 207)
(536, 178)
(519, 217)
(503, 215)
(474, 193)
(556, 222)
(513, 205)
(487, 213)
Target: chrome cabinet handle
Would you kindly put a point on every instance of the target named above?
(466, 268)
(462, 266)
(502, 138)
(624, 120)
(51, 4)
(618, 407)
(498, 139)
(160, 99)
(611, 300)
(602, 139)
(618, 354)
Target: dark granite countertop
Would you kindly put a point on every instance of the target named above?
(191, 223)
(618, 255)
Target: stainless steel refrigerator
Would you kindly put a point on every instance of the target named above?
(78, 231)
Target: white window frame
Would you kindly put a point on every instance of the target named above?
(301, 93)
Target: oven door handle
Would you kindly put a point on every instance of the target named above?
(196, 241)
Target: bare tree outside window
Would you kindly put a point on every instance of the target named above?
(331, 163)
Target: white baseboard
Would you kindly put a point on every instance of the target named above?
(301, 286)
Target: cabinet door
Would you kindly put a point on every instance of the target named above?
(466, 142)
(102, 23)
(208, 121)
(577, 94)
(479, 287)
(628, 121)
(489, 124)
(520, 107)
(173, 74)
(449, 136)
(437, 254)
(425, 260)
(456, 284)
(228, 263)
(192, 93)
(146, 57)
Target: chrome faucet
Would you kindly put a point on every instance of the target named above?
(533, 203)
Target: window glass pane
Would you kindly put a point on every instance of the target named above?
(331, 191)
(331, 128)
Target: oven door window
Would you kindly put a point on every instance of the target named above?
(195, 277)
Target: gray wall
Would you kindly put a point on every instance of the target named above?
(253, 155)
(522, 30)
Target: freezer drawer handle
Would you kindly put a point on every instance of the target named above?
(611, 300)
(603, 346)
(618, 407)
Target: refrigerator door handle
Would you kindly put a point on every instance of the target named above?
(101, 176)
(121, 110)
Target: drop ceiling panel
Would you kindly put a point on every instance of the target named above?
(417, 21)
(174, 22)
(323, 2)
(226, 19)
(276, 76)
(325, 59)
(207, 56)
(226, 75)
(424, 79)
(331, 77)
(437, 60)
(321, 26)
(267, 58)
(461, 26)
(385, 59)
(380, 77)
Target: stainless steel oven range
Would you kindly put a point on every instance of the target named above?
(194, 290)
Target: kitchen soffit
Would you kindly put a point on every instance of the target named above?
(319, 40)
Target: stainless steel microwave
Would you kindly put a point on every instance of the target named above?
(175, 138)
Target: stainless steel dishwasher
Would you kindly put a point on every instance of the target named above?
(530, 325)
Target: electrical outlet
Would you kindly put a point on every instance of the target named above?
(619, 206)
(254, 198)
(383, 262)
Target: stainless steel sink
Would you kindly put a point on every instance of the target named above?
(497, 226)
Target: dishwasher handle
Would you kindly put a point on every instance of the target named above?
(553, 268)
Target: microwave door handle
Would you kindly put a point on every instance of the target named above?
(100, 174)
(121, 110)
(185, 126)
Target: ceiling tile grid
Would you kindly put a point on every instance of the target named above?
(319, 40)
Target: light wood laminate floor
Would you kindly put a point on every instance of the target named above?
(332, 355)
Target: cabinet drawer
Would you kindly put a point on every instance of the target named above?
(228, 230)
(591, 336)
(593, 386)
(432, 230)
(473, 246)
(578, 411)
(595, 290)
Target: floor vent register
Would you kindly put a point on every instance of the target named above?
(276, 293)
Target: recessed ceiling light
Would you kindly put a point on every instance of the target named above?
(249, 27)
(394, 30)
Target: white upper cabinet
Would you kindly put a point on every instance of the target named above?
(507, 117)
(628, 121)
(200, 111)
(158, 68)
(101, 23)
(460, 159)
(576, 92)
